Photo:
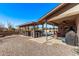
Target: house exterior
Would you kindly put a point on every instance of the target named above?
(30, 29)
(67, 18)
(64, 16)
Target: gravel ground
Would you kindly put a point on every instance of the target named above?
(18, 45)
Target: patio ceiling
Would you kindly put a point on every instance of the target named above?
(69, 14)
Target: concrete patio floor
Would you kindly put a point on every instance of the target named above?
(19, 45)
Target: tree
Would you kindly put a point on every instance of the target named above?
(10, 27)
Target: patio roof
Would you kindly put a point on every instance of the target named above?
(29, 24)
(41, 20)
(67, 14)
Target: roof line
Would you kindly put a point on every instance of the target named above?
(53, 11)
(27, 24)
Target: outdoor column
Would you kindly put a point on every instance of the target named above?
(33, 31)
(42, 26)
(46, 30)
(55, 32)
(42, 29)
(37, 27)
(54, 29)
(25, 30)
(28, 31)
(77, 25)
(20, 30)
(38, 32)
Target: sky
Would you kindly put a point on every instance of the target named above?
(20, 13)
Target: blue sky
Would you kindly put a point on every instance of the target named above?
(19, 13)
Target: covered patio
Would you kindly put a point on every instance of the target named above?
(66, 19)
(31, 29)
